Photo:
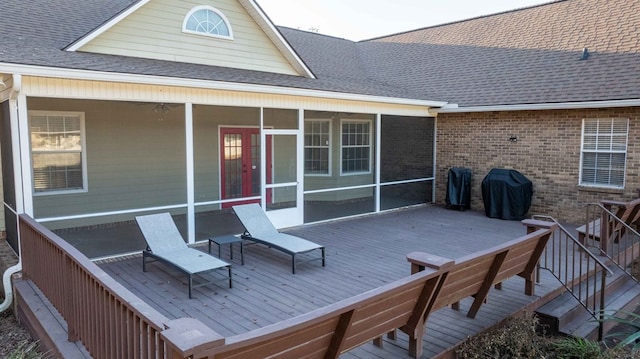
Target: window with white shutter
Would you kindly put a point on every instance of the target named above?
(604, 152)
(57, 151)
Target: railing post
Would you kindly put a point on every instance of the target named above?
(189, 338)
(603, 286)
(604, 231)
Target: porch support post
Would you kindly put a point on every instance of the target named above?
(263, 162)
(300, 165)
(377, 161)
(15, 144)
(23, 157)
(435, 160)
(191, 212)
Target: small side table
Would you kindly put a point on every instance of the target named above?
(230, 240)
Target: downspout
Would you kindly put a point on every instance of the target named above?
(6, 277)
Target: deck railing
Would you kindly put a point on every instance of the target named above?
(622, 246)
(579, 271)
(109, 320)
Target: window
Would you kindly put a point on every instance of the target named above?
(356, 146)
(317, 142)
(206, 20)
(604, 152)
(57, 151)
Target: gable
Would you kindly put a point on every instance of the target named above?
(154, 31)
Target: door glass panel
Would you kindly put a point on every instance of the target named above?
(233, 165)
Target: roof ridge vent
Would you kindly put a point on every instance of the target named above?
(585, 54)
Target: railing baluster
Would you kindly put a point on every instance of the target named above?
(108, 319)
(573, 273)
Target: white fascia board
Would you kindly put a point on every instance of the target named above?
(539, 106)
(272, 32)
(41, 71)
(104, 27)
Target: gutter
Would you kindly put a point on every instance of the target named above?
(450, 108)
(6, 277)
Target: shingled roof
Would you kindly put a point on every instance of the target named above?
(531, 55)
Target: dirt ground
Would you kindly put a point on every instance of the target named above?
(12, 334)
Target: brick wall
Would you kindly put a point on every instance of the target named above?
(547, 151)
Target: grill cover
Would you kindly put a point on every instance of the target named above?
(459, 188)
(506, 194)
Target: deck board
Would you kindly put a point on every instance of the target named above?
(361, 254)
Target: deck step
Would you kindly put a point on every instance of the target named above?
(565, 315)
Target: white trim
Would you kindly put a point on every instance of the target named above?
(190, 158)
(539, 106)
(214, 10)
(112, 213)
(326, 190)
(25, 155)
(435, 160)
(416, 180)
(378, 160)
(106, 26)
(40, 71)
(16, 148)
(300, 166)
(218, 202)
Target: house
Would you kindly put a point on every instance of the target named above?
(133, 106)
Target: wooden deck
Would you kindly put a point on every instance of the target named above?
(362, 254)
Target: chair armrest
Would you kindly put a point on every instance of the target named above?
(427, 260)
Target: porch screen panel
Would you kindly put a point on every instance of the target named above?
(56, 145)
(407, 150)
(407, 194)
(337, 204)
(407, 161)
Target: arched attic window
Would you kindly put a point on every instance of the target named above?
(209, 21)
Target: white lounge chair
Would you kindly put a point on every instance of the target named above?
(259, 229)
(165, 244)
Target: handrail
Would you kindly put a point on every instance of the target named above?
(109, 320)
(579, 271)
(622, 246)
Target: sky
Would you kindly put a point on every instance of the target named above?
(364, 19)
